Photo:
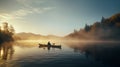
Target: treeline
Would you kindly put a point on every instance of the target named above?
(106, 29)
(6, 33)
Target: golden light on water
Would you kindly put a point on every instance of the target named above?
(1, 53)
(38, 41)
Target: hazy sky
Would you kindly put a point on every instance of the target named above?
(58, 17)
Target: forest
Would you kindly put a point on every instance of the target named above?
(106, 29)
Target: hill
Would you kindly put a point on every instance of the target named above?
(32, 36)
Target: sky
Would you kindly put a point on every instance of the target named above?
(56, 17)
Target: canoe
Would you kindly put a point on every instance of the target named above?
(45, 45)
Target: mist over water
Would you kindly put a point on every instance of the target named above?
(72, 54)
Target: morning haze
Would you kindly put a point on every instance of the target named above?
(59, 33)
(58, 17)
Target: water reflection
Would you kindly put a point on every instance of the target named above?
(107, 53)
(83, 54)
(49, 47)
(6, 51)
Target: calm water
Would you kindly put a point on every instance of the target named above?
(71, 54)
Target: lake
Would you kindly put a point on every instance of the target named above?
(28, 54)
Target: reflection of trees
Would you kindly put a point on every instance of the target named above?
(106, 53)
(6, 51)
(109, 54)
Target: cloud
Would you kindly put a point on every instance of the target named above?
(5, 17)
(13, 15)
(19, 14)
(29, 3)
(26, 9)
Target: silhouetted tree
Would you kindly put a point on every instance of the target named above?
(6, 33)
(87, 28)
(102, 20)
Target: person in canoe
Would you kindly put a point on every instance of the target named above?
(49, 44)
